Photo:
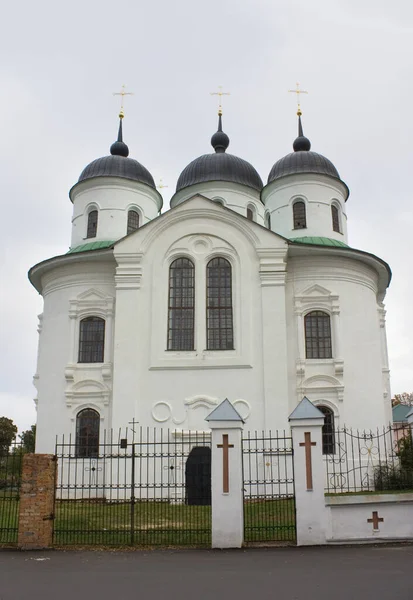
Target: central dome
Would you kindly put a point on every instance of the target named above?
(219, 166)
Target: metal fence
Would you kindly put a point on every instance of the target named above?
(151, 487)
(269, 495)
(369, 461)
(10, 477)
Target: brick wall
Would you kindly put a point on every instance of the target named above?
(37, 493)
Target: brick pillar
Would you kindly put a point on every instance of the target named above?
(37, 494)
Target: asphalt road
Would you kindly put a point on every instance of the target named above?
(334, 573)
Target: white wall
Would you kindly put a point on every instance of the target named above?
(348, 518)
(113, 198)
(318, 193)
(63, 385)
(232, 195)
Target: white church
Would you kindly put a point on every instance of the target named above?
(240, 290)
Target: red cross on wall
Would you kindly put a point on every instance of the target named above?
(308, 459)
(375, 520)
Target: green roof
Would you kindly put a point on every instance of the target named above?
(319, 241)
(400, 412)
(91, 246)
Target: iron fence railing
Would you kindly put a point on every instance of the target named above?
(370, 461)
(269, 494)
(10, 478)
(151, 487)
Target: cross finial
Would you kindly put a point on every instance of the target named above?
(122, 94)
(220, 93)
(298, 92)
(161, 184)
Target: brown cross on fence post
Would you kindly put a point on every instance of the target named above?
(308, 460)
(225, 462)
(375, 520)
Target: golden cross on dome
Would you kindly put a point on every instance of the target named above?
(298, 92)
(122, 94)
(220, 93)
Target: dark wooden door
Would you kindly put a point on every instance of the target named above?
(198, 476)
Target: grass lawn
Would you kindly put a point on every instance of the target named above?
(155, 523)
(9, 518)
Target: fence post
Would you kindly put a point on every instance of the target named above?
(227, 480)
(37, 494)
(306, 423)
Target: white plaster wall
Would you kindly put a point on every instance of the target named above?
(351, 382)
(347, 517)
(165, 388)
(113, 198)
(318, 192)
(232, 195)
(57, 368)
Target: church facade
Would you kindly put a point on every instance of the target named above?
(241, 290)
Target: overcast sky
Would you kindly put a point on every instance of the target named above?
(61, 62)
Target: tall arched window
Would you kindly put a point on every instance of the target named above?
(181, 305)
(299, 216)
(268, 220)
(335, 217)
(87, 433)
(91, 340)
(92, 224)
(250, 214)
(220, 334)
(133, 221)
(317, 335)
(328, 430)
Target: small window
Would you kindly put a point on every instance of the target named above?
(91, 340)
(328, 430)
(220, 334)
(133, 221)
(92, 224)
(87, 433)
(335, 218)
(250, 214)
(317, 335)
(181, 305)
(268, 220)
(299, 216)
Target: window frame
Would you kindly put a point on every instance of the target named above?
(299, 202)
(335, 218)
(130, 229)
(223, 312)
(101, 350)
(323, 343)
(328, 430)
(87, 448)
(92, 228)
(175, 344)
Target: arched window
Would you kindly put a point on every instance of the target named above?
(335, 216)
(250, 214)
(219, 201)
(133, 221)
(328, 430)
(299, 216)
(87, 433)
(92, 224)
(317, 335)
(268, 220)
(91, 340)
(181, 305)
(220, 334)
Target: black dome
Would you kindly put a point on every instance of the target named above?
(219, 166)
(117, 166)
(302, 162)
